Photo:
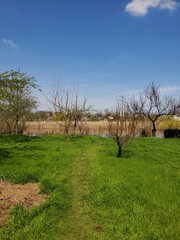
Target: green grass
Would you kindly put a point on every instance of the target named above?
(134, 197)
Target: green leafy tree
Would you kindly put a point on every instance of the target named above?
(16, 100)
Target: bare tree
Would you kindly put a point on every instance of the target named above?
(81, 111)
(70, 112)
(124, 126)
(153, 106)
(63, 104)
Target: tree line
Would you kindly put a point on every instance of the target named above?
(17, 102)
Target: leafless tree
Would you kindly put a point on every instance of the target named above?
(81, 111)
(124, 125)
(153, 106)
(69, 109)
(63, 103)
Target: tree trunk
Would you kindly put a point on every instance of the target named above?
(15, 128)
(119, 147)
(119, 152)
(154, 130)
(67, 137)
(75, 125)
(80, 130)
(9, 128)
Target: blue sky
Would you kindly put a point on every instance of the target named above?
(105, 47)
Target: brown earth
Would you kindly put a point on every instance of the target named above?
(17, 194)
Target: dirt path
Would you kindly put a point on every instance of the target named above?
(78, 224)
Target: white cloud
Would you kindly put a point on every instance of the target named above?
(172, 90)
(11, 43)
(171, 5)
(140, 7)
(168, 90)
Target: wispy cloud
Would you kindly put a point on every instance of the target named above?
(141, 7)
(10, 43)
(170, 90)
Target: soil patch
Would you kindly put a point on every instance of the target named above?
(17, 194)
(97, 229)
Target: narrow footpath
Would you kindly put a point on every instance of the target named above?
(78, 223)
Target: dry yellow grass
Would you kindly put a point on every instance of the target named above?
(43, 127)
(89, 128)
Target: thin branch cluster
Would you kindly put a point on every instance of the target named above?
(68, 109)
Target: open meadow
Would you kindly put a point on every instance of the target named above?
(89, 193)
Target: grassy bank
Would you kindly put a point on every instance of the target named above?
(92, 194)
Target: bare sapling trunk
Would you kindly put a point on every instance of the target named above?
(119, 152)
(124, 125)
(119, 148)
(75, 126)
(154, 130)
(67, 137)
(67, 134)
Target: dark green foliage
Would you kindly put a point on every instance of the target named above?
(16, 99)
(6, 138)
(171, 133)
(4, 153)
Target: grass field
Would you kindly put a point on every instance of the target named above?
(92, 194)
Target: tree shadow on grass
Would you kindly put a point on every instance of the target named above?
(4, 153)
(126, 152)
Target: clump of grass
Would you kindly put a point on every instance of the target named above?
(4, 153)
(6, 138)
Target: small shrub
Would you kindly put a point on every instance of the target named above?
(4, 153)
(169, 123)
(6, 138)
(171, 133)
(145, 133)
